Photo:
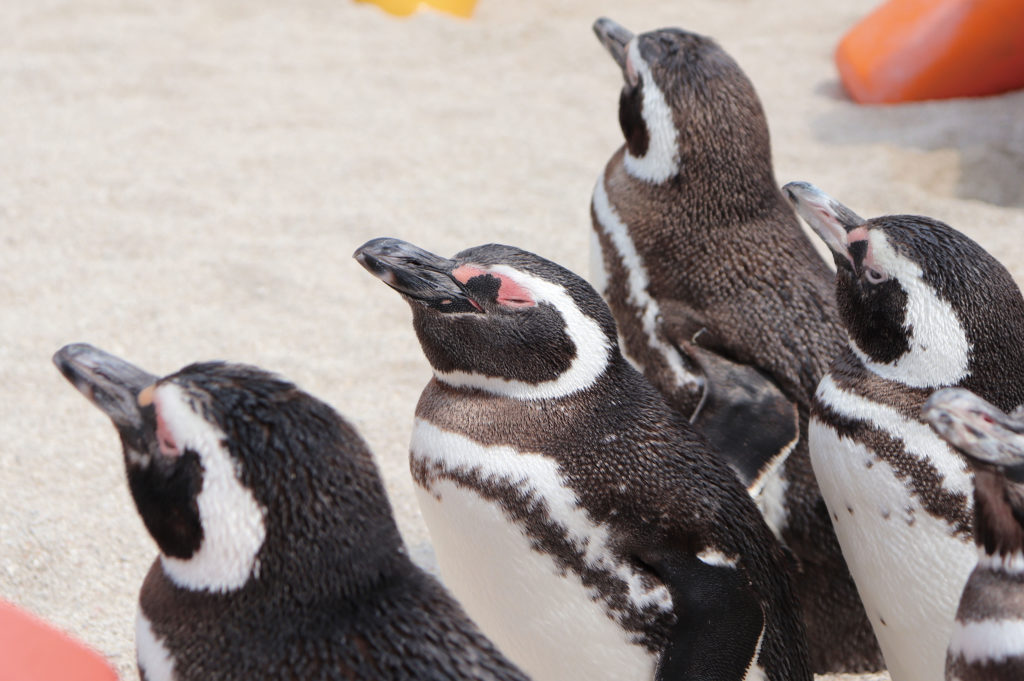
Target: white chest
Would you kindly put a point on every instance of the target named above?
(909, 566)
(155, 661)
(541, 615)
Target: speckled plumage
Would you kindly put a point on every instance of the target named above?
(608, 489)
(731, 291)
(329, 592)
(925, 307)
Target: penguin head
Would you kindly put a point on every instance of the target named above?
(499, 319)
(923, 304)
(685, 101)
(993, 443)
(239, 476)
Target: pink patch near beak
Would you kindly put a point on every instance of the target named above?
(631, 75)
(861, 234)
(464, 273)
(510, 294)
(168, 447)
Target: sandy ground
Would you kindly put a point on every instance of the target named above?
(185, 181)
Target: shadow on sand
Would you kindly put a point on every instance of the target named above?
(970, 148)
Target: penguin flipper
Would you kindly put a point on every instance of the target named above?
(744, 415)
(747, 418)
(719, 620)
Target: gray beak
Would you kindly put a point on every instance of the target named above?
(829, 219)
(110, 383)
(615, 38)
(417, 274)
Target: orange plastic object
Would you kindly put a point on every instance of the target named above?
(31, 650)
(403, 8)
(910, 50)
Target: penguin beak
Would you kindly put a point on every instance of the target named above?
(615, 38)
(979, 429)
(417, 274)
(830, 220)
(110, 383)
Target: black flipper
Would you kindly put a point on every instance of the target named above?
(747, 419)
(719, 620)
(742, 412)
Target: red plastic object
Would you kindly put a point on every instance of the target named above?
(910, 50)
(31, 650)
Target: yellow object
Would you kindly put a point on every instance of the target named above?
(403, 8)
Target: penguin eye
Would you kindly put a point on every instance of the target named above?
(874, 276)
(501, 289)
(513, 294)
(516, 302)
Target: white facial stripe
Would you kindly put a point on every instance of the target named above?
(987, 640)
(918, 438)
(592, 348)
(539, 476)
(716, 558)
(661, 162)
(939, 352)
(232, 521)
(1012, 564)
(154, 659)
(637, 283)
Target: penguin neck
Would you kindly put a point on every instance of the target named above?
(566, 428)
(336, 565)
(659, 161)
(500, 410)
(354, 548)
(581, 353)
(584, 372)
(742, 188)
(334, 533)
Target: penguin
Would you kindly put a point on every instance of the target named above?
(580, 520)
(988, 635)
(924, 307)
(279, 557)
(722, 299)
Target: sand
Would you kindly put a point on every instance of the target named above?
(186, 181)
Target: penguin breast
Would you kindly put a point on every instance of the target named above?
(528, 563)
(909, 563)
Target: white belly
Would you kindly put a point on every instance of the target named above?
(909, 568)
(545, 620)
(548, 624)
